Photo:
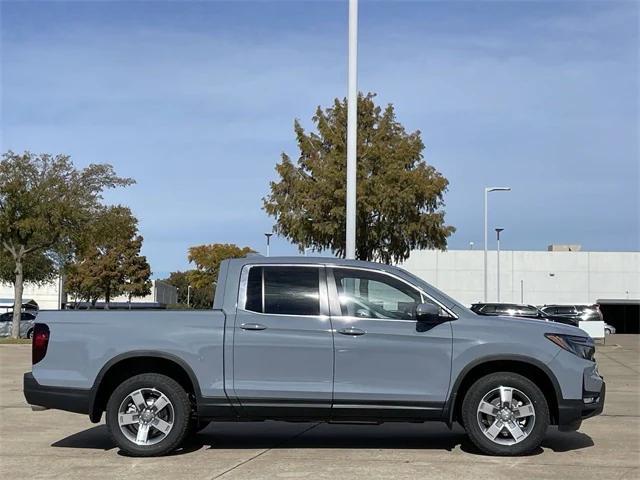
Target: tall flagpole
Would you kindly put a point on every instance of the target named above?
(352, 130)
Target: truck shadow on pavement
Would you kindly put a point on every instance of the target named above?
(280, 435)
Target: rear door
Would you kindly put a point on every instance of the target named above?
(386, 363)
(282, 341)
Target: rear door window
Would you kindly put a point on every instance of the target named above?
(283, 290)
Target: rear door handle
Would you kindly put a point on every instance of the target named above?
(351, 331)
(252, 326)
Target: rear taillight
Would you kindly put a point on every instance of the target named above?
(39, 343)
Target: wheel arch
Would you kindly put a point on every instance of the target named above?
(528, 367)
(126, 365)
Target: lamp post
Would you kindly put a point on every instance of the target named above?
(352, 131)
(189, 296)
(268, 235)
(486, 220)
(498, 230)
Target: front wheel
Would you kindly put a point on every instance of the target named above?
(505, 414)
(148, 415)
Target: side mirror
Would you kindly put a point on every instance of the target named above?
(427, 312)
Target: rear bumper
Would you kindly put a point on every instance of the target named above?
(572, 412)
(75, 400)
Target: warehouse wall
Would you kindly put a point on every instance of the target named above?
(46, 295)
(548, 277)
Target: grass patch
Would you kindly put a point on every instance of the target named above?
(14, 341)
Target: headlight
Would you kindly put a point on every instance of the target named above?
(583, 347)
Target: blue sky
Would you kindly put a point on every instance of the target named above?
(196, 101)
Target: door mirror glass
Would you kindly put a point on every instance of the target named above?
(427, 312)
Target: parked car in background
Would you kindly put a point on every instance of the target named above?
(26, 324)
(520, 311)
(315, 339)
(609, 329)
(579, 313)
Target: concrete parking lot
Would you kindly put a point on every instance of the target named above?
(55, 444)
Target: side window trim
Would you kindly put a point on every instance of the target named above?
(334, 303)
(244, 281)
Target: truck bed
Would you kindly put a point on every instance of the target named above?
(83, 343)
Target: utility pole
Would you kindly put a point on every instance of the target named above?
(268, 235)
(352, 131)
(498, 230)
(486, 227)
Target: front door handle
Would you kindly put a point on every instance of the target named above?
(351, 331)
(252, 326)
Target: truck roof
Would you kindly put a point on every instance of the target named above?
(259, 259)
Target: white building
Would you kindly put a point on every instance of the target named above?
(534, 277)
(562, 276)
(49, 297)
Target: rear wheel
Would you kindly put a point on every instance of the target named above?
(505, 414)
(148, 415)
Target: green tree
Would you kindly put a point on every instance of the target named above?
(109, 261)
(197, 298)
(202, 279)
(207, 260)
(400, 198)
(37, 268)
(45, 201)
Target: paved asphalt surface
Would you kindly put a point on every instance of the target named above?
(54, 444)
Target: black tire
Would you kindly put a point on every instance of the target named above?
(181, 414)
(30, 333)
(484, 386)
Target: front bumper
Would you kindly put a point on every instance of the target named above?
(572, 412)
(75, 400)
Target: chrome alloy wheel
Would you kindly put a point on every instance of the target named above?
(506, 415)
(146, 416)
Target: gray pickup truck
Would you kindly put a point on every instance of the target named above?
(315, 339)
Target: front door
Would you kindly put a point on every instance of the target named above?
(386, 363)
(282, 342)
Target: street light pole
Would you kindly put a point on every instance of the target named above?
(268, 235)
(189, 296)
(486, 221)
(498, 230)
(352, 130)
